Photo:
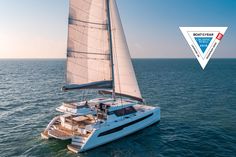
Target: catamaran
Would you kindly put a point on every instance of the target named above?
(98, 59)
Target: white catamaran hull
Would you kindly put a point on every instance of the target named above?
(113, 132)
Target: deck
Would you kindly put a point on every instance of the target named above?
(74, 148)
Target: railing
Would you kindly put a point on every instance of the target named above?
(51, 123)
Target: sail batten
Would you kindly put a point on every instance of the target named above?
(90, 53)
(88, 22)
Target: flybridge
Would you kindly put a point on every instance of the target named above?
(203, 34)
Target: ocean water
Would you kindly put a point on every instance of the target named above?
(198, 109)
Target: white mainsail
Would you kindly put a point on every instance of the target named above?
(89, 58)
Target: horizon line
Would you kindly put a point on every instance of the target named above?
(131, 58)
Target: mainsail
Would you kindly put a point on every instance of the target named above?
(88, 56)
(91, 61)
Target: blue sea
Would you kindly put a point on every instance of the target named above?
(198, 109)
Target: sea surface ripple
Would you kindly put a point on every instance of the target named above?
(198, 109)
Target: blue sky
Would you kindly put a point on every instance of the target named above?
(38, 28)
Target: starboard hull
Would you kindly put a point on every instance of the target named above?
(104, 136)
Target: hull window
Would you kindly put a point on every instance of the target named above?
(119, 128)
(125, 111)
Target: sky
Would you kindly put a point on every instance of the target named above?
(38, 28)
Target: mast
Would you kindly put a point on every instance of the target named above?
(111, 49)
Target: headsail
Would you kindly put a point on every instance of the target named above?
(125, 79)
(89, 62)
